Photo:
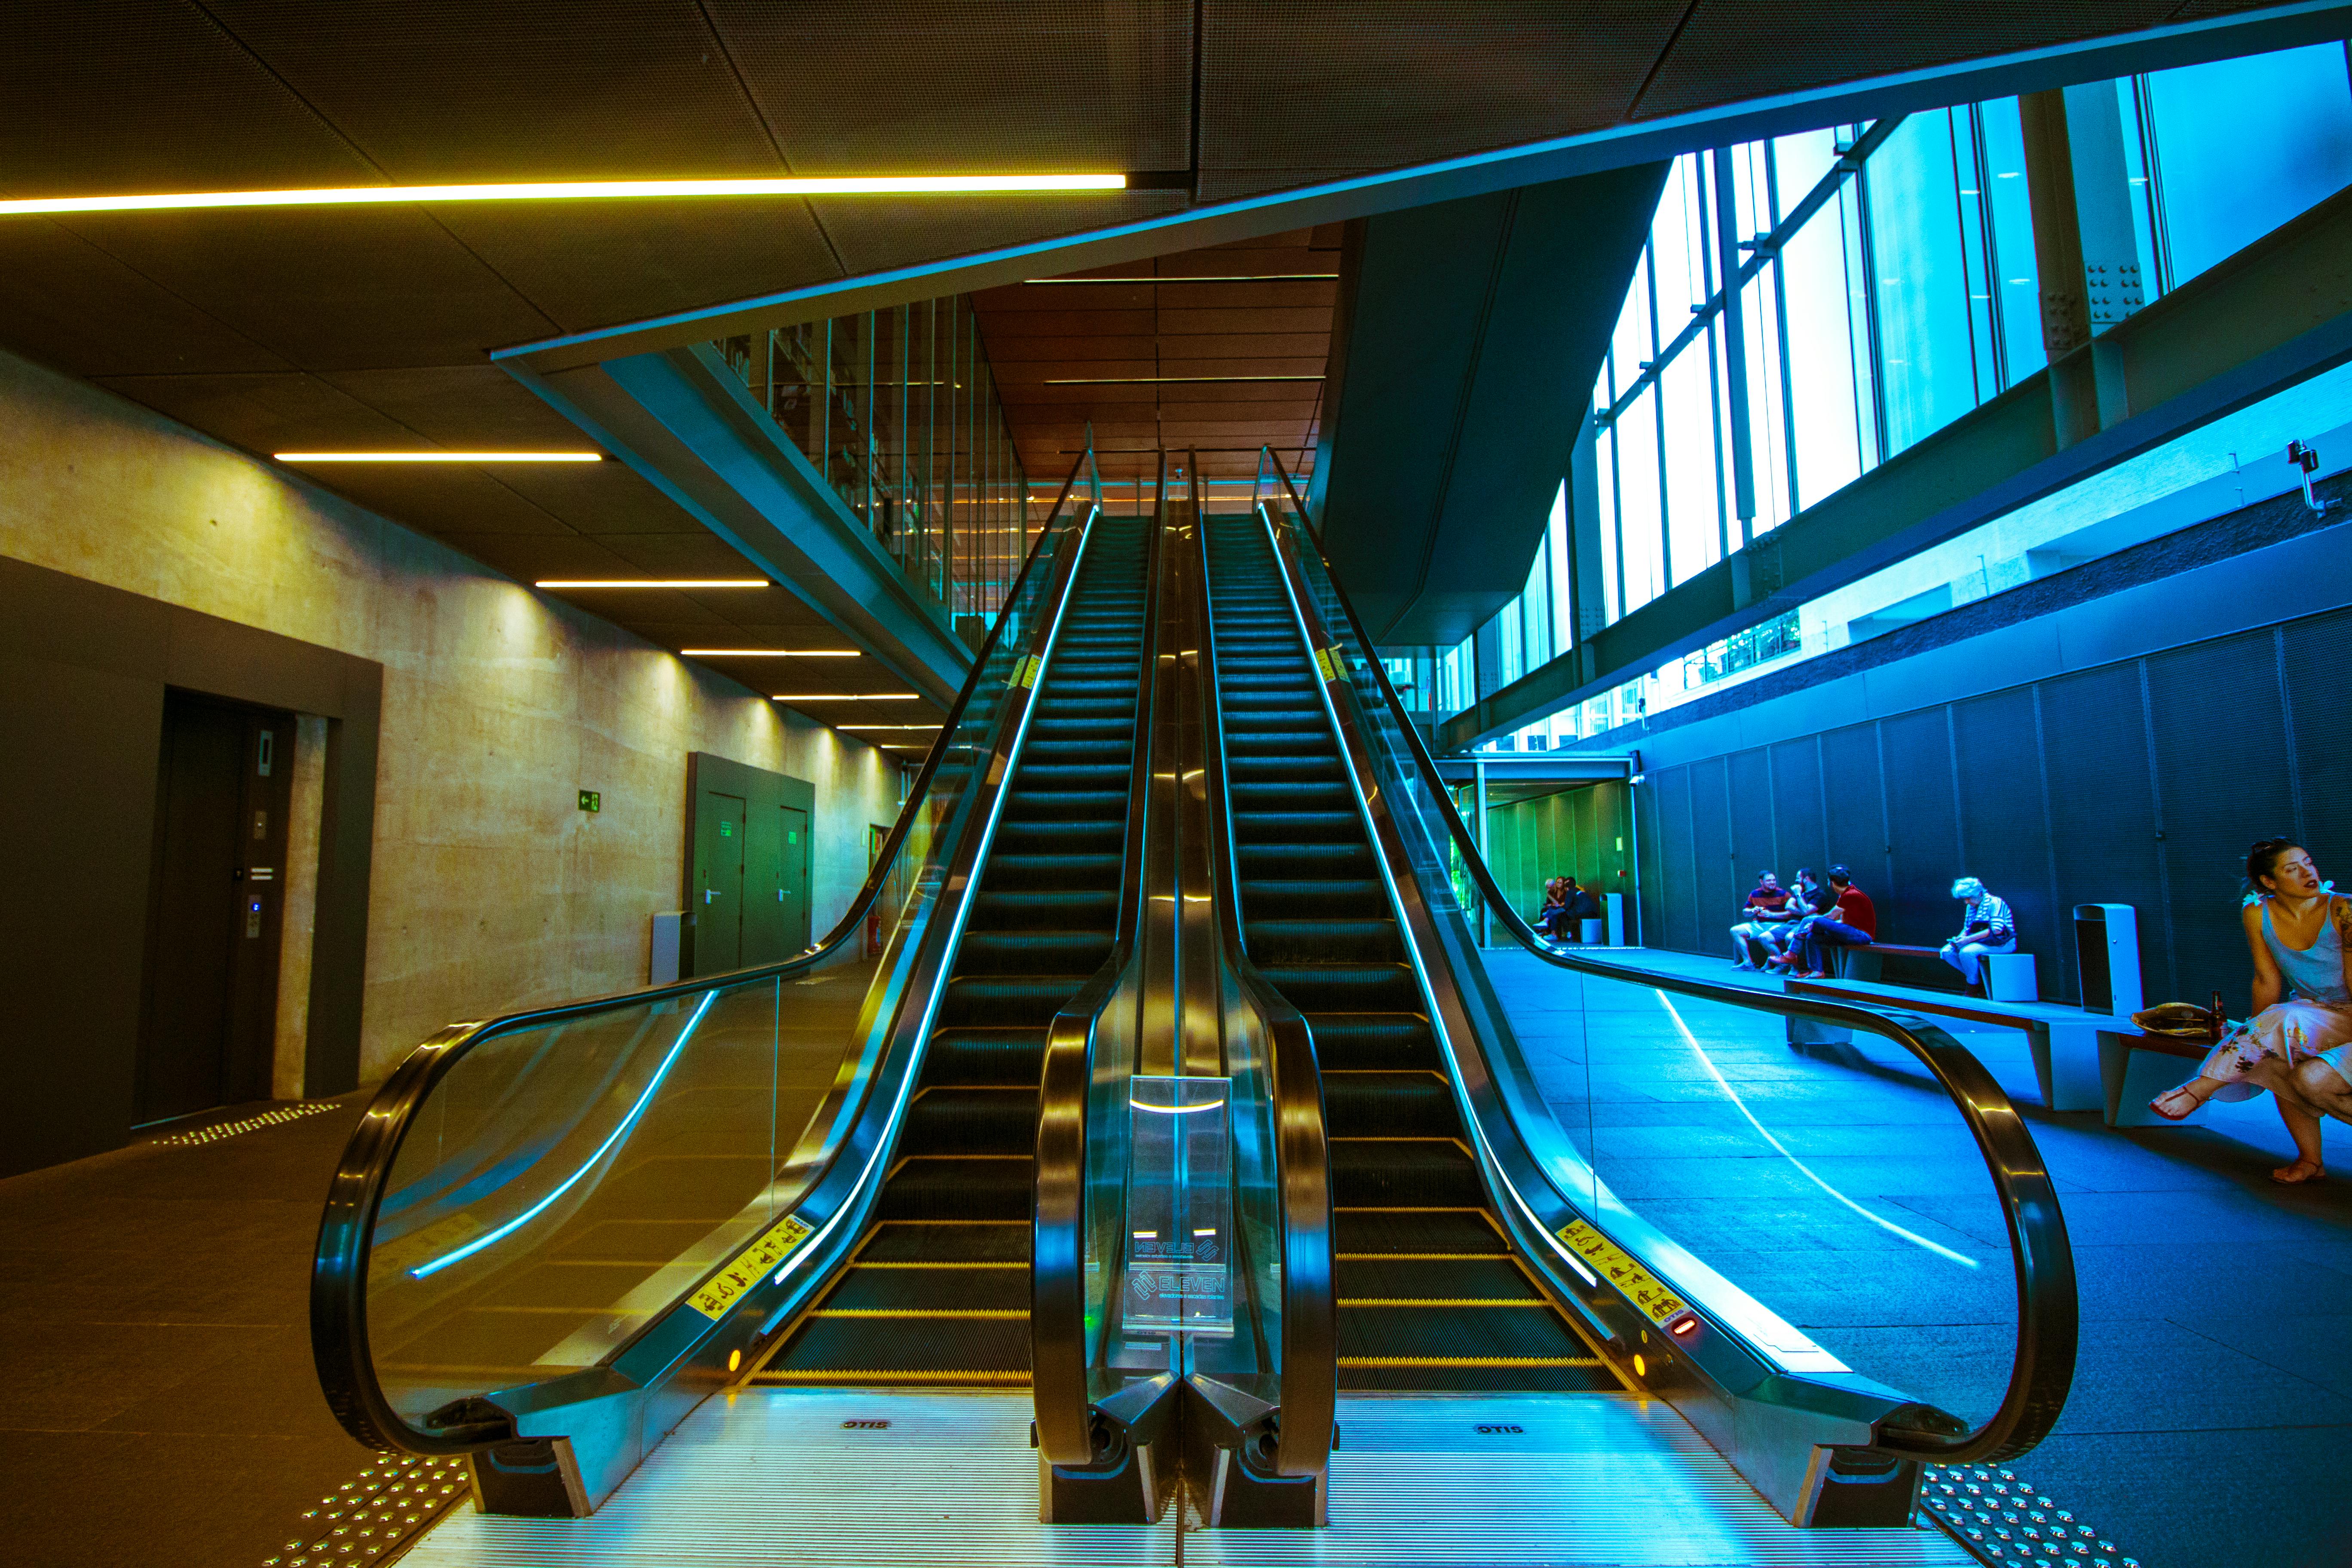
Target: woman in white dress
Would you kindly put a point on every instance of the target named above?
(2296, 1041)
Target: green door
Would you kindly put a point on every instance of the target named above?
(793, 878)
(718, 834)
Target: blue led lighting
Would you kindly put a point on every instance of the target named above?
(606, 1147)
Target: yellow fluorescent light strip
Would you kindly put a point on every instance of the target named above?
(573, 191)
(651, 582)
(768, 652)
(438, 457)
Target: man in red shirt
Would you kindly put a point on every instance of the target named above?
(1853, 923)
(1767, 908)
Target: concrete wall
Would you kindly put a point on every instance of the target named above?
(490, 890)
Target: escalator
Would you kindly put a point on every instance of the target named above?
(937, 1291)
(1430, 1294)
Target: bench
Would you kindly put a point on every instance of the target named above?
(2067, 1044)
(2134, 1068)
(2009, 976)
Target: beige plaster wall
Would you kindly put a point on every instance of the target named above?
(492, 890)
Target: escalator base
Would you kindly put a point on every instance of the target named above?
(778, 1476)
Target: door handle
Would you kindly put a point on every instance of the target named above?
(709, 894)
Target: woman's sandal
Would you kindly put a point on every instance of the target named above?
(2285, 1176)
(2195, 1105)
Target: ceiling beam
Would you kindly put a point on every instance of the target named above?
(2275, 313)
(685, 423)
(1650, 140)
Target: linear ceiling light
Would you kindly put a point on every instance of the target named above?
(574, 191)
(845, 697)
(438, 457)
(1226, 277)
(1162, 380)
(769, 652)
(885, 726)
(651, 582)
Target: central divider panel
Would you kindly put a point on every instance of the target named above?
(939, 1290)
(1431, 1294)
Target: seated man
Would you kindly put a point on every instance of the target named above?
(1850, 921)
(1767, 909)
(1986, 926)
(1581, 907)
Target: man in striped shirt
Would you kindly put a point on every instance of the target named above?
(1986, 926)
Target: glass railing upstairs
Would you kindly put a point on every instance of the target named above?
(1821, 1231)
(555, 1231)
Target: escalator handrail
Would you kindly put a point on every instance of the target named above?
(2048, 1312)
(339, 1339)
(1067, 1431)
(1310, 1334)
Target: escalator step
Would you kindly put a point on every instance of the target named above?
(1465, 1232)
(986, 1055)
(1375, 1042)
(946, 1186)
(960, 1119)
(1363, 1281)
(1074, 953)
(1346, 988)
(1376, 1172)
(1389, 1105)
(1037, 909)
(903, 1349)
(1531, 1329)
(1007, 1001)
(871, 1286)
(947, 1241)
(1325, 941)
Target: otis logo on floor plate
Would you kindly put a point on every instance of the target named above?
(745, 1269)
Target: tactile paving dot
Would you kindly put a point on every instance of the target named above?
(2008, 1523)
(369, 1519)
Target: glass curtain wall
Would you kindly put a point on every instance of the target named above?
(1807, 307)
(897, 412)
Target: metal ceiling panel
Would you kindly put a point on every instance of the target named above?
(151, 95)
(330, 289)
(950, 86)
(593, 264)
(1295, 89)
(462, 407)
(877, 236)
(265, 411)
(1732, 50)
(70, 304)
(450, 90)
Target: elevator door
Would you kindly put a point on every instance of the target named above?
(208, 1005)
(793, 878)
(718, 831)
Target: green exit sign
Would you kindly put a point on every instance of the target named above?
(590, 800)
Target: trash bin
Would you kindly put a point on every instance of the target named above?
(2106, 955)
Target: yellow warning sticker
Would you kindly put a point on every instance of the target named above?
(1326, 661)
(772, 1247)
(1613, 1264)
(1026, 671)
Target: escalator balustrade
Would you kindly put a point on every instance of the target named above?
(1430, 1294)
(937, 1291)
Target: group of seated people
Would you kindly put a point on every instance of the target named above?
(1566, 907)
(1791, 930)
